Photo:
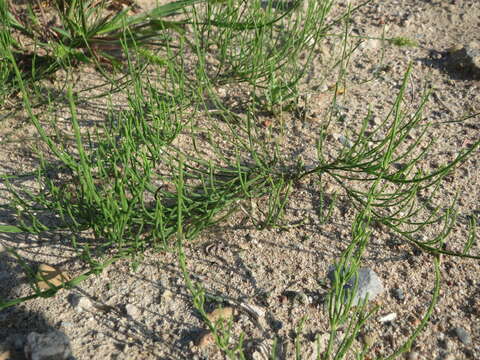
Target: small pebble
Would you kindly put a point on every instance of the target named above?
(52, 345)
(465, 57)
(257, 355)
(323, 88)
(66, 324)
(80, 303)
(412, 355)
(277, 324)
(83, 303)
(372, 44)
(167, 295)
(462, 335)
(345, 141)
(222, 92)
(388, 318)
(368, 284)
(398, 294)
(133, 311)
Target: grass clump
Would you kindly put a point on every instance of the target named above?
(177, 159)
(403, 41)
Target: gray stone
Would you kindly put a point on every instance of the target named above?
(412, 355)
(368, 284)
(462, 335)
(276, 324)
(398, 293)
(466, 58)
(345, 141)
(50, 346)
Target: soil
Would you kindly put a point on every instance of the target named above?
(148, 313)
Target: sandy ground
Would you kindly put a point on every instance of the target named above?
(148, 314)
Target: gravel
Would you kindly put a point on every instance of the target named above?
(462, 335)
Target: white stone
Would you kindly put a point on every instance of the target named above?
(368, 284)
(81, 303)
(133, 311)
(372, 44)
(52, 345)
(388, 317)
